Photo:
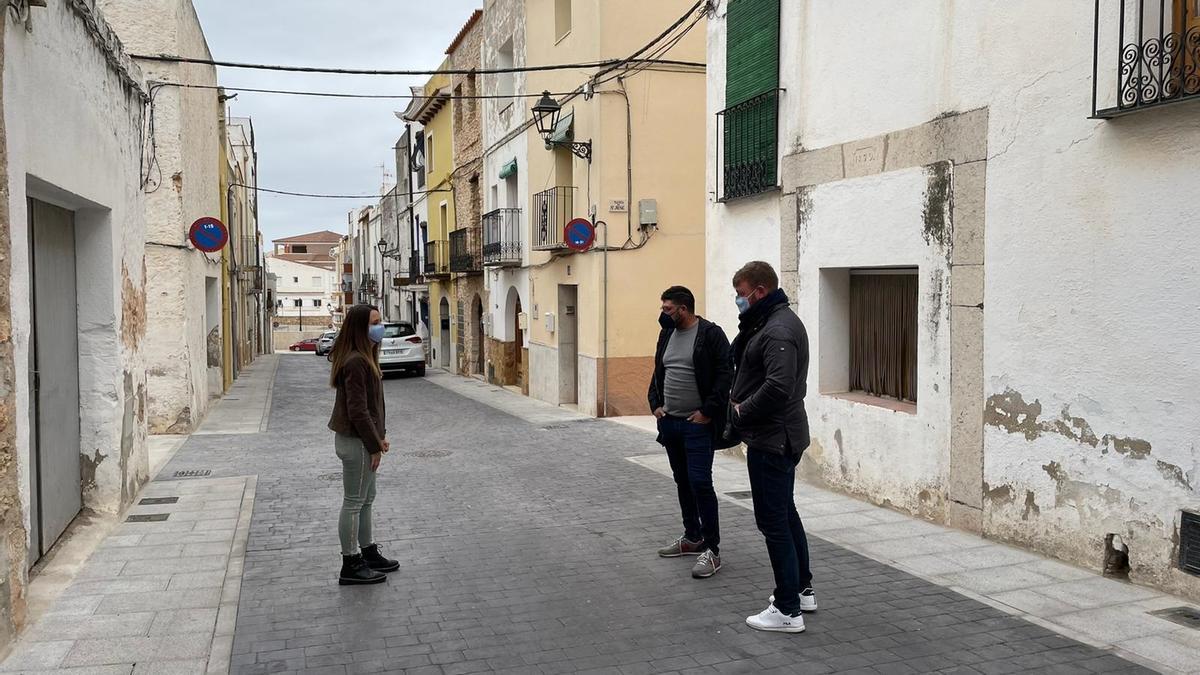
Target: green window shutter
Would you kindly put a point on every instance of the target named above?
(751, 118)
(751, 49)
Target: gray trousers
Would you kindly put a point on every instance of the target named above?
(358, 493)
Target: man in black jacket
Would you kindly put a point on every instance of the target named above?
(689, 394)
(771, 372)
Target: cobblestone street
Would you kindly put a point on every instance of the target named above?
(532, 547)
(528, 545)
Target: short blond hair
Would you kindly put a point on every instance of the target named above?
(757, 273)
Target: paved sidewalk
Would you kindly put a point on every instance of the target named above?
(246, 407)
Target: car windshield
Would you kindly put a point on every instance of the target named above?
(328, 336)
(398, 330)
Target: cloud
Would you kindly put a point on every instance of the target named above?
(325, 145)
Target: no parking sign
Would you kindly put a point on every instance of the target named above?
(579, 234)
(208, 234)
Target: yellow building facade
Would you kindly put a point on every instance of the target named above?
(592, 317)
(435, 114)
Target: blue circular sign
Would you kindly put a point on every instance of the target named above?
(579, 234)
(208, 235)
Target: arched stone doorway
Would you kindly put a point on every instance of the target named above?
(444, 322)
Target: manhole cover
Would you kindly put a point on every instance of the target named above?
(147, 518)
(1184, 616)
(193, 473)
(331, 476)
(429, 454)
(158, 500)
(742, 494)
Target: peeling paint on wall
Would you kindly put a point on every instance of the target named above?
(1010, 412)
(133, 311)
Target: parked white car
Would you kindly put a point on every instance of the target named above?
(325, 342)
(402, 349)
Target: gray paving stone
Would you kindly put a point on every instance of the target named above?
(138, 650)
(75, 627)
(528, 546)
(183, 667)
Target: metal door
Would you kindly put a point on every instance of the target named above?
(55, 494)
(568, 344)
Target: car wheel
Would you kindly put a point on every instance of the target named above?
(421, 371)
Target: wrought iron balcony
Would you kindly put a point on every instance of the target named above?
(437, 259)
(1146, 55)
(552, 210)
(367, 283)
(416, 267)
(748, 147)
(502, 238)
(466, 251)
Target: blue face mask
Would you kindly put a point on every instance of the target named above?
(743, 304)
(375, 333)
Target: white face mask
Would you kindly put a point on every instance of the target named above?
(743, 304)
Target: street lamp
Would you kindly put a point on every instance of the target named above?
(546, 113)
(382, 245)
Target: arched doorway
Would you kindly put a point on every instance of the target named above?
(477, 314)
(444, 321)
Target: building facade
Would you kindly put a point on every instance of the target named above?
(183, 186)
(505, 177)
(73, 399)
(243, 254)
(308, 284)
(955, 226)
(588, 322)
(466, 235)
(435, 213)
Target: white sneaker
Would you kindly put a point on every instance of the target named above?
(808, 600)
(771, 619)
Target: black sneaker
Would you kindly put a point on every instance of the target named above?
(355, 571)
(376, 561)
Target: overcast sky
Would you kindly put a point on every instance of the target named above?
(325, 145)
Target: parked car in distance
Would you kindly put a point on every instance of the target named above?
(325, 342)
(402, 349)
(309, 345)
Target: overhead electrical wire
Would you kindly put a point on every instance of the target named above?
(609, 66)
(329, 94)
(325, 196)
(607, 63)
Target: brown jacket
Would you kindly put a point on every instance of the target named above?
(359, 410)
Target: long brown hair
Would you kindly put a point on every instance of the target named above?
(353, 340)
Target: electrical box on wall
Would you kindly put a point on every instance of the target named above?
(549, 322)
(523, 321)
(648, 212)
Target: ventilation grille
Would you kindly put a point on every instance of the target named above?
(1189, 543)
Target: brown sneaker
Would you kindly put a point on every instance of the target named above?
(682, 546)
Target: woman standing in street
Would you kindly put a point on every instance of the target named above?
(360, 441)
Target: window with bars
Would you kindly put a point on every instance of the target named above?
(747, 129)
(883, 333)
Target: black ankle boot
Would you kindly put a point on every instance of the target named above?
(376, 561)
(355, 571)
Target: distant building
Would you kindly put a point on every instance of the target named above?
(308, 283)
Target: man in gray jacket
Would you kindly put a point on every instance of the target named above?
(770, 379)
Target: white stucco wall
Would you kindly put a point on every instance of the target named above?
(1089, 311)
(325, 289)
(874, 221)
(736, 232)
(184, 186)
(73, 127)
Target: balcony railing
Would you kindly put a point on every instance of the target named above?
(1146, 55)
(552, 210)
(416, 267)
(502, 238)
(437, 259)
(748, 145)
(466, 251)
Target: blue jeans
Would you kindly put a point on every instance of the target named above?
(772, 482)
(690, 450)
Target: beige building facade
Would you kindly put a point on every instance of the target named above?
(588, 321)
